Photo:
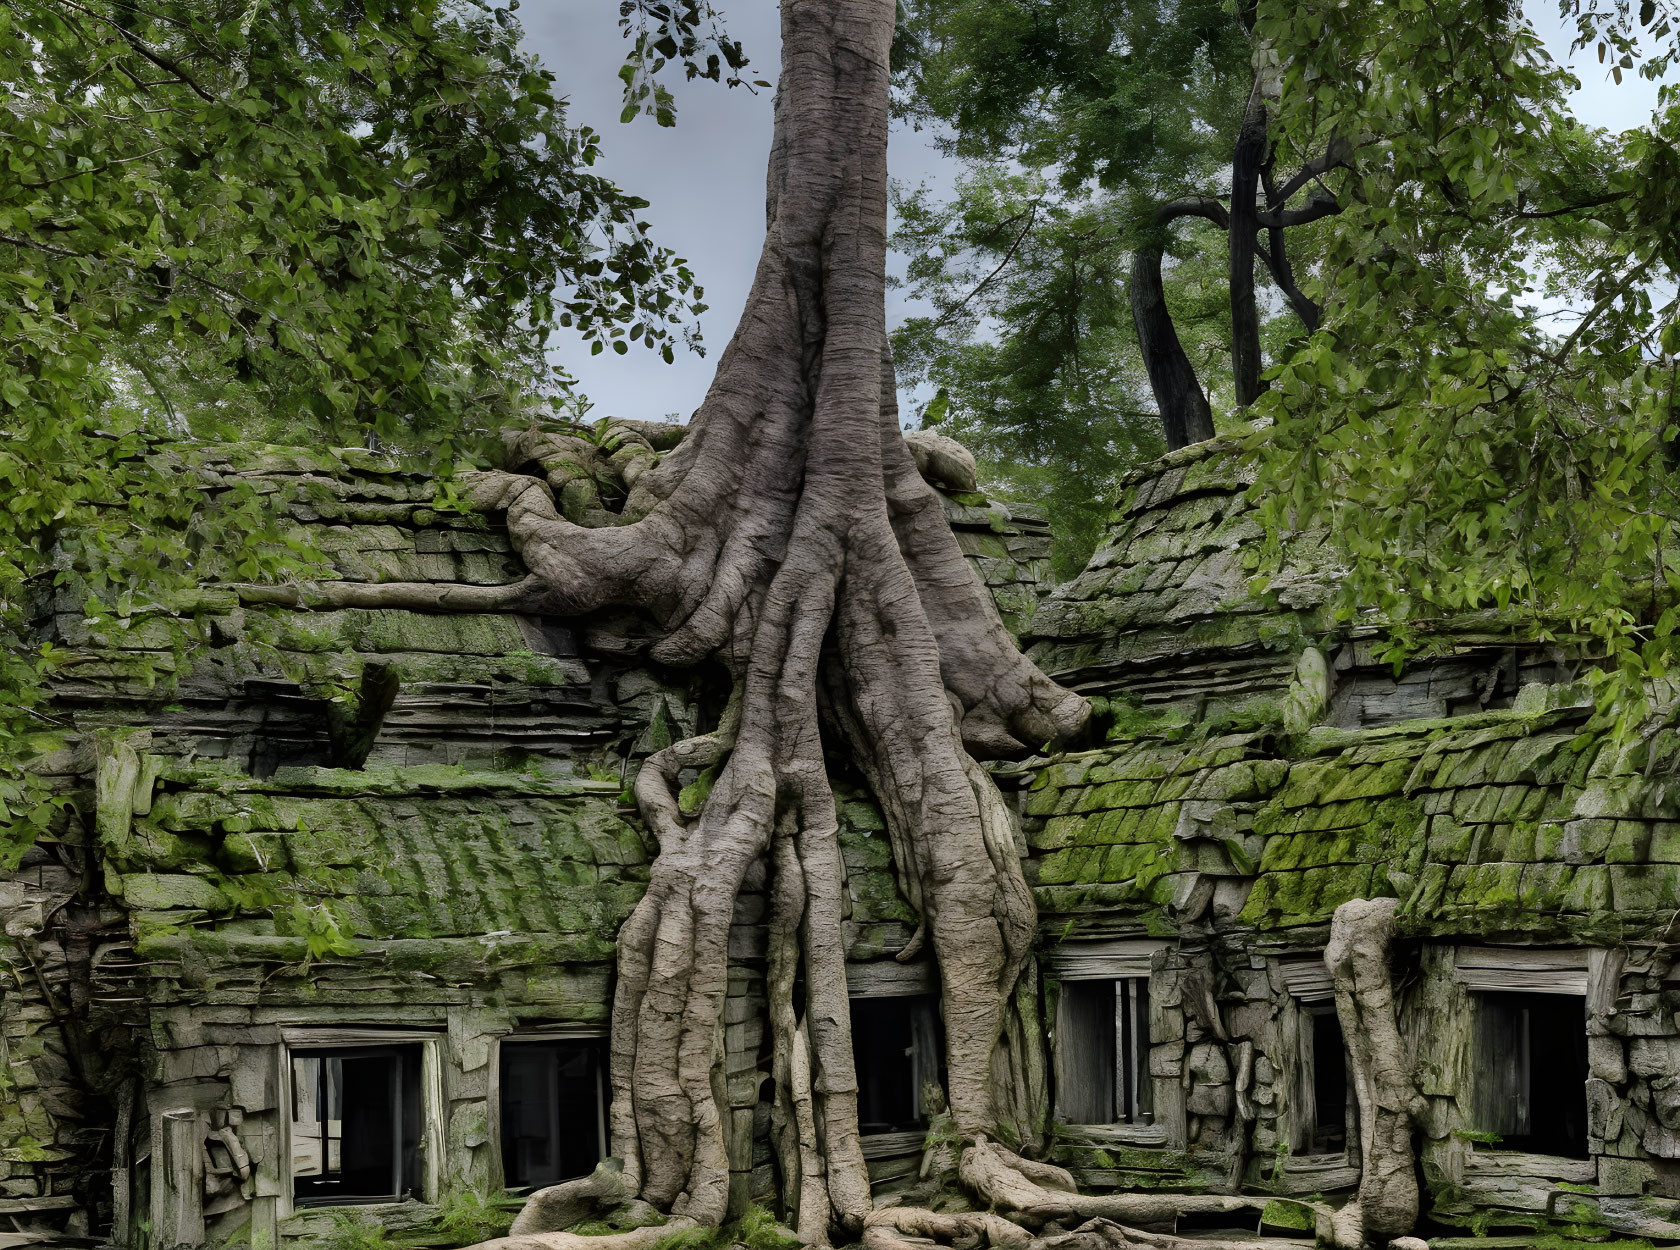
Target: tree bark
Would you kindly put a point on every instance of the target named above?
(789, 536)
(792, 513)
(1246, 161)
(1361, 938)
(1185, 415)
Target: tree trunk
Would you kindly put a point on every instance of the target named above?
(1361, 936)
(1185, 415)
(793, 513)
(790, 537)
(1246, 162)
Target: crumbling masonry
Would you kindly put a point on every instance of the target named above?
(312, 855)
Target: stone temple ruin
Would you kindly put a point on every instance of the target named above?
(328, 925)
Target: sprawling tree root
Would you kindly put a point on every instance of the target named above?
(560, 1206)
(901, 1228)
(1036, 1194)
(643, 1238)
(1361, 935)
(790, 536)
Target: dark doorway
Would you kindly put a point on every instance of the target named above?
(355, 1124)
(1102, 1052)
(553, 1108)
(1330, 1084)
(1320, 1114)
(1531, 1072)
(897, 1048)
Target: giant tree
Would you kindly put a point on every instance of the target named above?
(790, 537)
(787, 536)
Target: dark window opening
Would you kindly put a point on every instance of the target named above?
(1102, 1052)
(554, 1111)
(898, 1049)
(1531, 1072)
(1325, 1072)
(355, 1124)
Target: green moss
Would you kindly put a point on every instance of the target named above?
(692, 797)
(170, 891)
(465, 1218)
(1281, 1213)
(354, 1231)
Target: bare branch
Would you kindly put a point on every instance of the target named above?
(1322, 204)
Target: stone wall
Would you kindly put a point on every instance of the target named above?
(1261, 768)
(286, 822)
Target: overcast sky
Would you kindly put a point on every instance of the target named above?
(704, 178)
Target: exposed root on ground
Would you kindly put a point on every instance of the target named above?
(1036, 1194)
(644, 1238)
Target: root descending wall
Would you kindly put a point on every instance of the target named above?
(287, 820)
(376, 819)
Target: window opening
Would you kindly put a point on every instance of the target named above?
(554, 1110)
(355, 1124)
(1102, 1052)
(897, 1048)
(1323, 1088)
(1531, 1072)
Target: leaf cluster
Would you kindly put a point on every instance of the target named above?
(340, 220)
(1029, 343)
(1467, 450)
(689, 33)
(1072, 121)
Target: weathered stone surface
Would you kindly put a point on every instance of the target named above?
(250, 853)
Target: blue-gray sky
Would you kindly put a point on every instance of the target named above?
(704, 178)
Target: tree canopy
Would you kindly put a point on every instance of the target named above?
(1085, 130)
(1465, 360)
(341, 220)
(1469, 451)
(363, 221)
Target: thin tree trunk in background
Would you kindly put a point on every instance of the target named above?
(1185, 414)
(1246, 162)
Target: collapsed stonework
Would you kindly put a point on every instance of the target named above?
(371, 862)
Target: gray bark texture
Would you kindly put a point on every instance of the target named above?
(790, 535)
(1361, 938)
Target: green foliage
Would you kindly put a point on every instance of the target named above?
(299, 910)
(757, 1229)
(1281, 1213)
(1468, 451)
(466, 1218)
(1030, 346)
(1069, 140)
(351, 1230)
(692, 797)
(221, 219)
(689, 32)
(462, 1219)
(1105, 91)
(1465, 453)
